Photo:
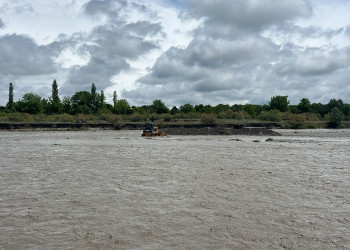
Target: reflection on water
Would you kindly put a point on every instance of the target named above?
(115, 189)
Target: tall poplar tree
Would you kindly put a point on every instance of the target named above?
(94, 100)
(114, 98)
(54, 96)
(102, 100)
(10, 105)
(55, 105)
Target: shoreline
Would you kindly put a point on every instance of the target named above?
(169, 129)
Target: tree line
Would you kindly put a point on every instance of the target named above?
(93, 102)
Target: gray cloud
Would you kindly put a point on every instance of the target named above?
(290, 31)
(220, 53)
(347, 31)
(116, 40)
(104, 7)
(108, 57)
(317, 74)
(28, 66)
(1, 23)
(144, 28)
(116, 9)
(315, 61)
(250, 14)
(20, 55)
(99, 70)
(24, 8)
(230, 58)
(114, 44)
(205, 55)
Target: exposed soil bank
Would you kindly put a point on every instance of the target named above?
(171, 129)
(9, 126)
(217, 130)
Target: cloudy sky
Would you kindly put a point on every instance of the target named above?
(179, 51)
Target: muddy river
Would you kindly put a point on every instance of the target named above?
(117, 190)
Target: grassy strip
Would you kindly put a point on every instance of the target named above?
(283, 120)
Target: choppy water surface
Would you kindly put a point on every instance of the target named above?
(117, 190)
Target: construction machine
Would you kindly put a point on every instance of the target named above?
(151, 130)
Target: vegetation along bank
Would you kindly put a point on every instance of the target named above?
(89, 109)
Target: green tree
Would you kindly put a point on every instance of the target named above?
(115, 98)
(333, 103)
(304, 105)
(174, 110)
(122, 107)
(319, 108)
(81, 102)
(207, 109)
(55, 105)
(94, 99)
(335, 118)
(237, 107)
(346, 109)
(250, 109)
(67, 105)
(147, 108)
(159, 107)
(10, 105)
(294, 109)
(30, 103)
(187, 108)
(279, 103)
(54, 93)
(102, 102)
(221, 108)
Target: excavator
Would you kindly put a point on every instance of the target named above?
(151, 130)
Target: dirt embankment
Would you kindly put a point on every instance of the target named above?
(219, 131)
(170, 129)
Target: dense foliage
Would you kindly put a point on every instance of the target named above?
(94, 103)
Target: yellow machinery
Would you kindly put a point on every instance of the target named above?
(151, 130)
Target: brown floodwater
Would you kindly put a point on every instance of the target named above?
(118, 190)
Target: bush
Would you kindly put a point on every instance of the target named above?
(111, 118)
(187, 116)
(138, 117)
(287, 116)
(167, 117)
(208, 119)
(154, 117)
(81, 118)
(272, 116)
(237, 115)
(64, 118)
(20, 117)
(160, 123)
(40, 118)
(297, 121)
(311, 117)
(4, 118)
